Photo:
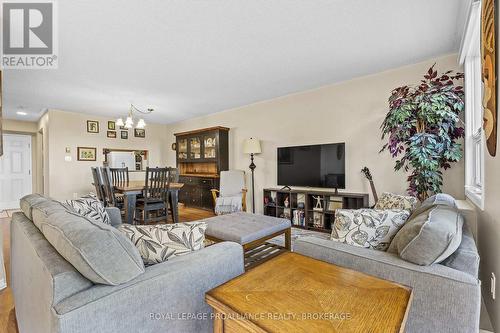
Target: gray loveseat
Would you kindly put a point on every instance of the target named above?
(446, 296)
(52, 296)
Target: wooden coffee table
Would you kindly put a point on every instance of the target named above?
(294, 293)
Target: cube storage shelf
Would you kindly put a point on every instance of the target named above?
(310, 209)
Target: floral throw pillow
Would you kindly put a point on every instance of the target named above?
(89, 206)
(396, 201)
(157, 243)
(368, 228)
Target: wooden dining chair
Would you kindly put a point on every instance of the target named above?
(119, 176)
(173, 177)
(113, 199)
(99, 185)
(153, 207)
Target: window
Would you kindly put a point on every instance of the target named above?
(470, 57)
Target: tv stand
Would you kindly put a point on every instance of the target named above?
(310, 209)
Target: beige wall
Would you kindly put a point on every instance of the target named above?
(489, 236)
(28, 128)
(489, 232)
(19, 126)
(68, 129)
(348, 112)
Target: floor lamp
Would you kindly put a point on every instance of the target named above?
(252, 147)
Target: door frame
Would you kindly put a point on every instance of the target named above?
(30, 160)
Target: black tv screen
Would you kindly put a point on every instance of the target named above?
(314, 166)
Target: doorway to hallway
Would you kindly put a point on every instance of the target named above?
(16, 176)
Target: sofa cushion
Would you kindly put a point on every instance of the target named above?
(396, 201)
(436, 199)
(98, 251)
(89, 206)
(369, 228)
(430, 236)
(466, 257)
(28, 202)
(157, 243)
(43, 211)
(31, 249)
(441, 199)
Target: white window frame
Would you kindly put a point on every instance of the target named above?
(470, 58)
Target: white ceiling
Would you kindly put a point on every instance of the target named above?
(192, 57)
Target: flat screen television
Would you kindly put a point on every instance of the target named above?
(312, 166)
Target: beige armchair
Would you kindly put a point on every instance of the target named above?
(232, 195)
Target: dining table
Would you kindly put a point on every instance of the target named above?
(132, 188)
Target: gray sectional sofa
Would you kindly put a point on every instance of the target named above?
(446, 296)
(52, 296)
(55, 288)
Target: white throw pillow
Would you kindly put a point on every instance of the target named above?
(396, 201)
(90, 207)
(157, 243)
(368, 228)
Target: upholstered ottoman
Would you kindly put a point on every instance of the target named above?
(251, 231)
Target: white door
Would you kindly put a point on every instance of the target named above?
(15, 170)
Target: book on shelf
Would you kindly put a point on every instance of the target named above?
(318, 220)
(299, 218)
(301, 198)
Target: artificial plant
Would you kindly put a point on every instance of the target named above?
(423, 127)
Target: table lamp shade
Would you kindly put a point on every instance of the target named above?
(251, 146)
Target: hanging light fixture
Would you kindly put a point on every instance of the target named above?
(141, 124)
(129, 121)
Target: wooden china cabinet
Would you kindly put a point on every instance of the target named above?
(201, 156)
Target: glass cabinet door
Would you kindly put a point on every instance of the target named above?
(182, 149)
(209, 146)
(194, 148)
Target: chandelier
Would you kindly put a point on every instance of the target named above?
(129, 121)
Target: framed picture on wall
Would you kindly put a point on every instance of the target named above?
(111, 134)
(139, 133)
(124, 134)
(111, 125)
(92, 126)
(86, 153)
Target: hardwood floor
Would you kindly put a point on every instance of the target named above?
(8, 322)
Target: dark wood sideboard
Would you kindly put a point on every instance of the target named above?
(201, 156)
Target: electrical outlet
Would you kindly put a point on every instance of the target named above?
(75, 195)
(493, 286)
